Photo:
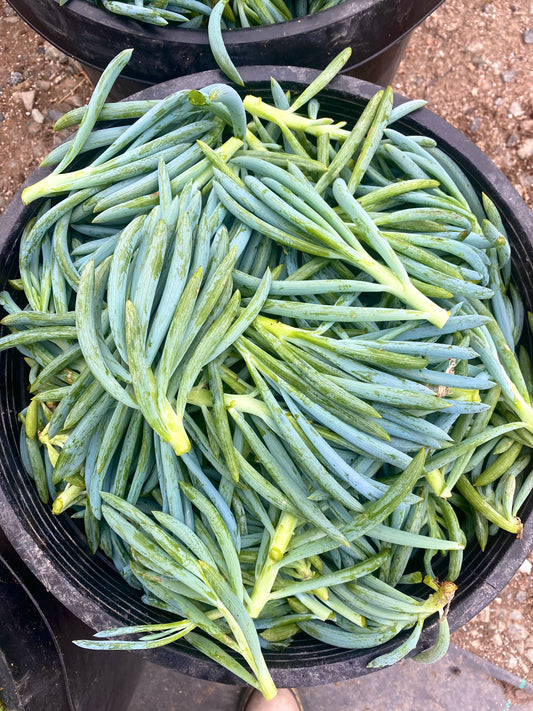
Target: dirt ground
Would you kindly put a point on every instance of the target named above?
(474, 67)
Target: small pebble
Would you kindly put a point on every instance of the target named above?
(516, 631)
(512, 663)
(75, 101)
(50, 52)
(512, 140)
(521, 596)
(27, 98)
(39, 50)
(515, 615)
(61, 136)
(3, 202)
(15, 78)
(484, 615)
(54, 54)
(475, 48)
(2, 118)
(524, 152)
(63, 107)
(525, 567)
(528, 36)
(39, 151)
(43, 85)
(529, 655)
(498, 101)
(519, 646)
(515, 109)
(508, 76)
(37, 116)
(497, 639)
(53, 115)
(477, 60)
(476, 123)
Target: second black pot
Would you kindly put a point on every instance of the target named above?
(376, 30)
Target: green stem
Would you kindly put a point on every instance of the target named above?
(242, 403)
(67, 497)
(485, 509)
(524, 411)
(278, 546)
(257, 107)
(436, 481)
(404, 290)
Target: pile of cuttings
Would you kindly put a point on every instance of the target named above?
(273, 368)
(196, 14)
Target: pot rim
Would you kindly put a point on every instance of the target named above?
(238, 36)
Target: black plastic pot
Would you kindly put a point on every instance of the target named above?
(40, 668)
(376, 30)
(54, 548)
